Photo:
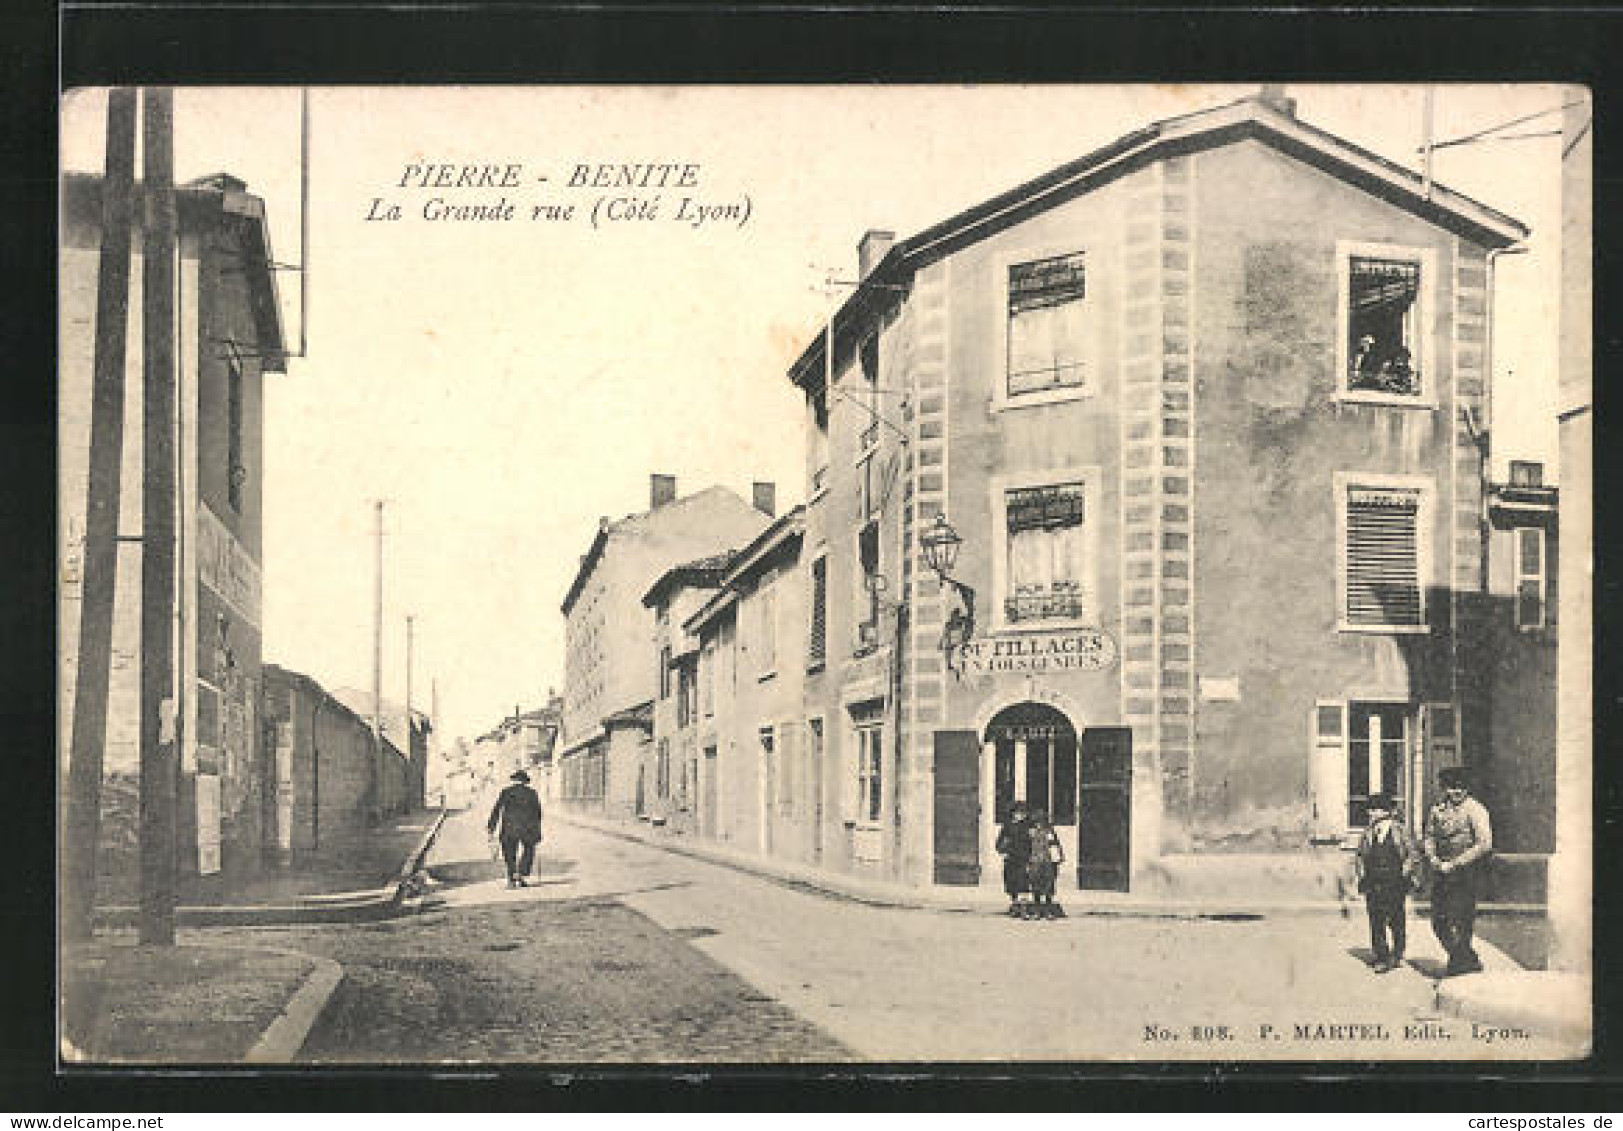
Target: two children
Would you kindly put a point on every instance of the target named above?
(1032, 855)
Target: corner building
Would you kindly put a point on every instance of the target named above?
(1205, 408)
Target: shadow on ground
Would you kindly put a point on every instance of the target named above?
(460, 873)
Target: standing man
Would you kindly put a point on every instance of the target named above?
(1458, 841)
(1385, 865)
(518, 812)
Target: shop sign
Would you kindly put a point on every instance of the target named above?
(1080, 650)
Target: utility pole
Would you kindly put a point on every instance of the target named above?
(99, 570)
(158, 714)
(410, 634)
(377, 668)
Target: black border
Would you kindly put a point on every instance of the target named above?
(291, 43)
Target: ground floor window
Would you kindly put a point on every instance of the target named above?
(870, 774)
(1365, 747)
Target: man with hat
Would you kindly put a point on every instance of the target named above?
(1458, 840)
(1385, 867)
(518, 812)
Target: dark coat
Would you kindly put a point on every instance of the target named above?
(518, 812)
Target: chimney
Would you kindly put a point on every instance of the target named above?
(766, 498)
(1272, 95)
(661, 490)
(1526, 473)
(871, 249)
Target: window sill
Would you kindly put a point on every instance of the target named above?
(1384, 629)
(1059, 624)
(1391, 400)
(1004, 402)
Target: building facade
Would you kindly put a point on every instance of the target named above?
(610, 683)
(228, 336)
(1204, 409)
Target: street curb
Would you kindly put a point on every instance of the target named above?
(365, 906)
(841, 887)
(282, 1040)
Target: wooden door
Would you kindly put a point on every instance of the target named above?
(957, 807)
(1105, 809)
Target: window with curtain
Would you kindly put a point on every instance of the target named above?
(1383, 308)
(1047, 554)
(1047, 324)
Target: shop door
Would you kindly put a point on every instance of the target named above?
(1104, 820)
(957, 807)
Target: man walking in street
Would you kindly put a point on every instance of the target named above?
(1385, 866)
(518, 813)
(1458, 841)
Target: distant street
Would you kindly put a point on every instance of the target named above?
(626, 953)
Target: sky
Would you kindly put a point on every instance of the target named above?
(504, 384)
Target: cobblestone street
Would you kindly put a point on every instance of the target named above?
(623, 952)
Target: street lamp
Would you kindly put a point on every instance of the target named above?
(941, 543)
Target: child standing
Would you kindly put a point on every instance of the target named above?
(1047, 854)
(1385, 868)
(1014, 843)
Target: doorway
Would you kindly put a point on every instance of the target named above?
(1029, 754)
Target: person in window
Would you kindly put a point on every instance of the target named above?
(1385, 867)
(518, 815)
(1397, 372)
(1459, 840)
(1042, 869)
(1365, 365)
(1014, 845)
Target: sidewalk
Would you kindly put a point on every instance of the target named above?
(353, 882)
(199, 1002)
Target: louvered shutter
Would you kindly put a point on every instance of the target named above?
(817, 645)
(1383, 557)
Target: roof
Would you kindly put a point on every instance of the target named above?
(747, 562)
(701, 573)
(629, 523)
(1248, 118)
(218, 200)
(642, 715)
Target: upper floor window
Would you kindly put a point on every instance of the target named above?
(236, 469)
(1383, 534)
(1047, 309)
(665, 671)
(869, 583)
(767, 610)
(1046, 556)
(817, 637)
(1534, 609)
(1385, 302)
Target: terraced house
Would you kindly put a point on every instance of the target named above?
(1198, 420)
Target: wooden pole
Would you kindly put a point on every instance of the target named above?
(82, 829)
(377, 668)
(159, 803)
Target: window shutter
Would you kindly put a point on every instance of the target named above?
(1529, 578)
(817, 644)
(1383, 557)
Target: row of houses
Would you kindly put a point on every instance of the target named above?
(273, 770)
(524, 740)
(1154, 492)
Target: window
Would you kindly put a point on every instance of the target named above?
(1384, 341)
(817, 638)
(767, 625)
(869, 583)
(869, 769)
(236, 470)
(686, 694)
(1382, 531)
(1046, 553)
(708, 678)
(665, 671)
(1046, 328)
(1530, 573)
(1382, 309)
(662, 768)
(818, 404)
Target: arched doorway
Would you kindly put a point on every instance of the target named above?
(1029, 753)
